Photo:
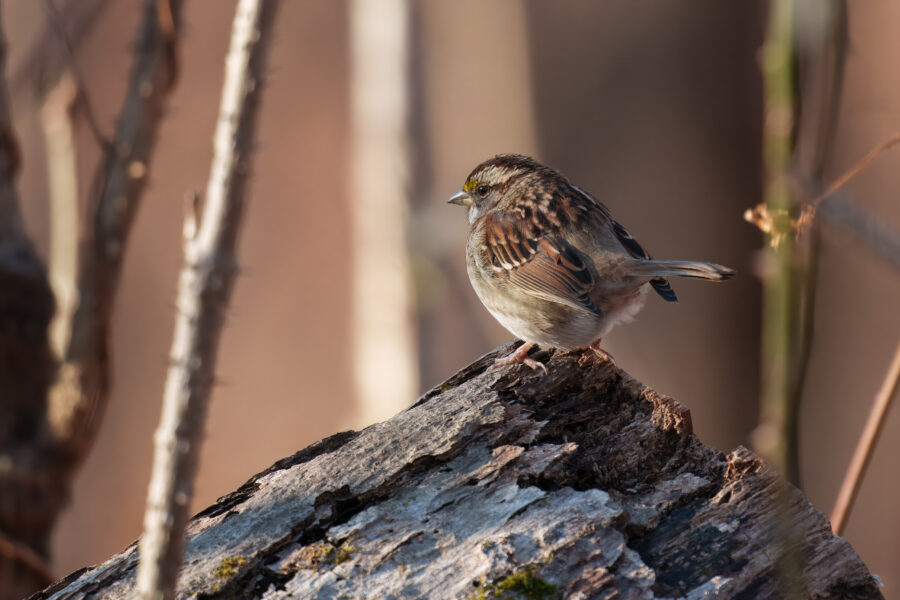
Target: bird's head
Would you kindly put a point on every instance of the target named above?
(495, 181)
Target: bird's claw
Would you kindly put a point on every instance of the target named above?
(534, 364)
(603, 354)
(521, 356)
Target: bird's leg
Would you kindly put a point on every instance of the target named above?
(521, 355)
(595, 346)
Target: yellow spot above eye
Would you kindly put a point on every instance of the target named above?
(470, 185)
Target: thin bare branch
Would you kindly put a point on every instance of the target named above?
(16, 553)
(78, 396)
(820, 58)
(205, 285)
(868, 229)
(81, 96)
(866, 446)
(47, 58)
(858, 166)
(778, 223)
(804, 220)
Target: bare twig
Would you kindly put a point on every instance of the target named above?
(820, 59)
(47, 57)
(802, 223)
(78, 396)
(16, 553)
(807, 276)
(81, 96)
(204, 288)
(858, 166)
(820, 56)
(840, 210)
(866, 446)
(778, 223)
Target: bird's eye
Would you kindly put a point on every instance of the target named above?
(482, 190)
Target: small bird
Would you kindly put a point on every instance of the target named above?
(551, 264)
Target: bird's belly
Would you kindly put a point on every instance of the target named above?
(534, 319)
(567, 330)
(552, 324)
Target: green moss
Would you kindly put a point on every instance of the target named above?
(228, 568)
(521, 585)
(325, 554)
(343, 553)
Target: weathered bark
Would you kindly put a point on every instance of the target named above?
(579, 484)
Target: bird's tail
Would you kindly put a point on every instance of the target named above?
(682, 268)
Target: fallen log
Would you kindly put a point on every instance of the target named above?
(581, 483)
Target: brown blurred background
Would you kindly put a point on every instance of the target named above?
(653, 107)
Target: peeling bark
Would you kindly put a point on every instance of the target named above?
(579, 484)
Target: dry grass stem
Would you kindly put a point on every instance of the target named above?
(866, 446)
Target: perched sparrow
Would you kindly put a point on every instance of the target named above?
(549, 261)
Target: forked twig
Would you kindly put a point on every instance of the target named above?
(79, 394)
(81, 96)
(778, 223)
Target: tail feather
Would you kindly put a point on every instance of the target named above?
(664, 290)
(682, 268)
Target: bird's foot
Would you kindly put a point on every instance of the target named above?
(603, 354)
(521, 356)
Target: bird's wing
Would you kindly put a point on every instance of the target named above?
(660, 284)
(543, 265)
(631, 245)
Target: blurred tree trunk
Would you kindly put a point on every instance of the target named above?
(32, 488)
(505, 483)
(473, 79)
(53, 399)
(384, 353)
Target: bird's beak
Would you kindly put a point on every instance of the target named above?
(461, 198)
